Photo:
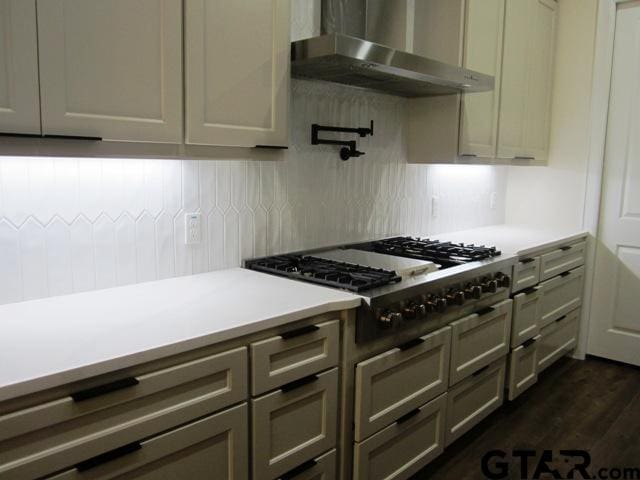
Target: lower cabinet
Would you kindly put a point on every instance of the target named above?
(294, 424)
(526, 308)
(473, 399)
(560, 295)
(320, 468)
(523, 367)
(213, 447)
(404, 447)
(557, 339)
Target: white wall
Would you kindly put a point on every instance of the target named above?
(69, 224)
(553, 196)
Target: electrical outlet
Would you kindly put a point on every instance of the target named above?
(192, 228)
(493, 200)
(435, 206)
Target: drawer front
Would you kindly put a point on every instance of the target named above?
(398, 381)
(558, 339)
(214, 447)
(523, 367)
(560, 295)
(526, 273)
(160, 401)
(562, 260)
(526, 312)
(294, 424)
(320, 468)
(479, 339)
(294, 355)
(404, 447)
(472, 400)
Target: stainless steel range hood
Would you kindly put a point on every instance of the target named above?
(343, 55)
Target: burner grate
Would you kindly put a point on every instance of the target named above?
(331, 273)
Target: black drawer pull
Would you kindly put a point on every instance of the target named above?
(298, 383)
(108, 456)
(528, 260)
(411, 343)
(529, 342)
(565, 274)
(74, 137)
(408, 416)
(530, 290)
(484, 311)
(93, 392)
(566, 247)
(20, 135)
(468, 155)
(293, 473)
(479, 371)
(561, 318)
(524, 157)
(273, 147)
(299, 331)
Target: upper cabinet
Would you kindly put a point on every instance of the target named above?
(513, 40)
(527, 79)
(111, 69)
(19, 95)
(237, 72)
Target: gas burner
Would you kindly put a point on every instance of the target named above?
(447, 254)
(348, 276)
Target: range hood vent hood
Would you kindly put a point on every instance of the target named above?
(342, 55)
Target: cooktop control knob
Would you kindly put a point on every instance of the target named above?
(441, 304)
(490, 286)
(421, 309)
(455, 297)
(503, 280)
(473, 291)
(389, 319)
(409, 312)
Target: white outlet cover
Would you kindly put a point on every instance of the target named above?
(192, 228)
(493, 200)
(435, 206)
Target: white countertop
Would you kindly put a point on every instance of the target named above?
(53, 341)
(513, 239)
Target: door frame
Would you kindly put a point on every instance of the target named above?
(600, 93)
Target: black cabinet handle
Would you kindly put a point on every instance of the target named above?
(530, 290)
(566, 247)
(524, 157)
(299, 331)
(565, 274)
(479, 371)
(408, 416)
(272, 147)
(529, 342)
(293, 473)
(484, 311)
(298, 383)
(561, 318)
(468, 155)
(411, 343)
(20, 135)
(74, 137)
(93, 392)
(528, 260)
(108, 456)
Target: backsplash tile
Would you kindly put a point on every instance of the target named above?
(69, 225)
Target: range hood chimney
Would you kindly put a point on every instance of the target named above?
(344, 54)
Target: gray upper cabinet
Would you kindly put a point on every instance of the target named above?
(19, 95)
(111, 69)
(237, 72)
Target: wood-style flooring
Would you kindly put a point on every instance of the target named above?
(591, 405)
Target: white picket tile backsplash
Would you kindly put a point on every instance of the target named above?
(75, 224)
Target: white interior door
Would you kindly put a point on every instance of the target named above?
(615, 308)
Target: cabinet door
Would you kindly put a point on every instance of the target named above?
(525, 92)
(19, 95)
(482, 53)
(237, 72)
(111, 69)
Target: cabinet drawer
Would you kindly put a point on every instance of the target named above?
(526, 308)
(294, 355)
(214, 447)
(398, 381)
(404, 447)
(294, 424)
(472, 400)
(320, 468)
(91, 425)
(523, 367)
(479, 339)
(561, 260)
(557, 339)
(560, 295)
(526, 273)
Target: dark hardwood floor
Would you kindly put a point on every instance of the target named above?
(591, 405)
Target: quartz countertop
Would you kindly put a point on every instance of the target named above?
(49, 342)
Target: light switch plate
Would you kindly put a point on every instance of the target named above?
(192, 228)
(435, 206)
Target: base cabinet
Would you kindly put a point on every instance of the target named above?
(523, 367)
(558, 339)
(404, 447)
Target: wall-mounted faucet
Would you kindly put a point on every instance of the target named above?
(349, 146)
